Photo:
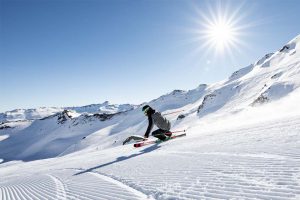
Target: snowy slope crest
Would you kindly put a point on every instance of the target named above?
(271, 78)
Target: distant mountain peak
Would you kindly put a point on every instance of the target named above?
(42, 112)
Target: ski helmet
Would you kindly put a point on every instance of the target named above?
(146, 108)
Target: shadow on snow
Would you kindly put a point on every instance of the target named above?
(120, 159)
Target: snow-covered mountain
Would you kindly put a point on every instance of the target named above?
(243, 143)
(39, 113)
(105, 107)
(28, 114)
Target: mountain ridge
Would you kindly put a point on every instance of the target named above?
(42, 112)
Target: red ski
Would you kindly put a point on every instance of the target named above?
(144, 143)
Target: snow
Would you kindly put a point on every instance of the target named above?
(105, 107)
(28, 114)
(236, 146)
(259, 161)
(42, 112)
(238, 74)
(3, 137)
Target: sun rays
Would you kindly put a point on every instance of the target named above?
(219, 30)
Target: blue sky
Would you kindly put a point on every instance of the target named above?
(72, 52)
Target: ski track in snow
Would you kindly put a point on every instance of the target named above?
(253, 162)
(121, 185)
(60, 188)
(63, 186)
(217, 177)
(235, 169)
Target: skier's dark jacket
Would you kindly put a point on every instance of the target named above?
(157, 119)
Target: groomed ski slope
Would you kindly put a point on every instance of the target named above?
(243, 142)
(258, 160)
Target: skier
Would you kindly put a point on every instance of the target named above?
(156, 118)
(163, 131)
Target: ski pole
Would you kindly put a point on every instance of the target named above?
(173, 112)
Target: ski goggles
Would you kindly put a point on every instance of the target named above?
(146, 110)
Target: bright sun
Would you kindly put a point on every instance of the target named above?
(221, 35)
(220, 29)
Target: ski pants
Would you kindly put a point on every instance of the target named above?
(160, 134)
